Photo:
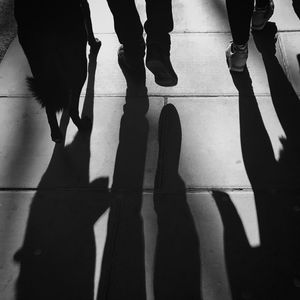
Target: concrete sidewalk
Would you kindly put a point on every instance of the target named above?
(7, 25)
(215, 131)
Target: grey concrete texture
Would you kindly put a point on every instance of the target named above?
(7, 25)
(212, 157)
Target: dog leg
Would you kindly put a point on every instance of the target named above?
(84, 123)
(56, 134)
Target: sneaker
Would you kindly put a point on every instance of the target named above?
(158, 62)
(261, 16)
(236, 57)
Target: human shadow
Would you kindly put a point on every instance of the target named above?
(123, 264)
(177, 261)
(57, 259)
(177, 256)
(270, 271)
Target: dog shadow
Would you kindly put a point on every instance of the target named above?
(57, 259)
(270, 271)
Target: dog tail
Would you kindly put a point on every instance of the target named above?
(36, 90)
(48, 95)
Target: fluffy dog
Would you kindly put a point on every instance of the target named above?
(53, 37)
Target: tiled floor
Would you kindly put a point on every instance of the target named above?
(229, 144)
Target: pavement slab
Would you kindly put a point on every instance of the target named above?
(290, 44)
(31, 155)
(195, 16)
(16, 208)
(201, 68)
(211, 155)
(8, 26)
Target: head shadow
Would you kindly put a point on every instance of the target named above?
(177, 256)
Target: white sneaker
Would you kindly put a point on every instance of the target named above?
(262, 15)
(236, 57)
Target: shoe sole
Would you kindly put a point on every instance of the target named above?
(160, 73)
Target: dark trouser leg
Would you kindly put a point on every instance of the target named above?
(127, 23)
(158, 26)
(262, 3)
(159, 21)
(239, 15)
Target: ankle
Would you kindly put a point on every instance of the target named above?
(239, 47)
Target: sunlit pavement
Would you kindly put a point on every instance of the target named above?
(211, 154)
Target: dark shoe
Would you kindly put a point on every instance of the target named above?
(236, 57)
(132, 66)
(261, 15)
(158, 62)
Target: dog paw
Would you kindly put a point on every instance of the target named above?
(57, 136)
(95, 45)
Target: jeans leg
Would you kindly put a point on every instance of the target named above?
(159, 21)
(239, 15)
(127, 22)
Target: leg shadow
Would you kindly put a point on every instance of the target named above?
(268, 273)
(287, 106)
(245, 265)
(177, 259)
(123, 266)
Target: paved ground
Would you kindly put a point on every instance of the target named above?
(7, 25)
(237, 154)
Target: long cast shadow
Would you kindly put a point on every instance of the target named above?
(177, 257)
(123, 264)
(270, 271)
(57, 259)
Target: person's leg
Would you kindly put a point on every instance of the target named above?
(127, 24)
(239, 16)
(158, 26)
(129, 30)
(159, 21)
